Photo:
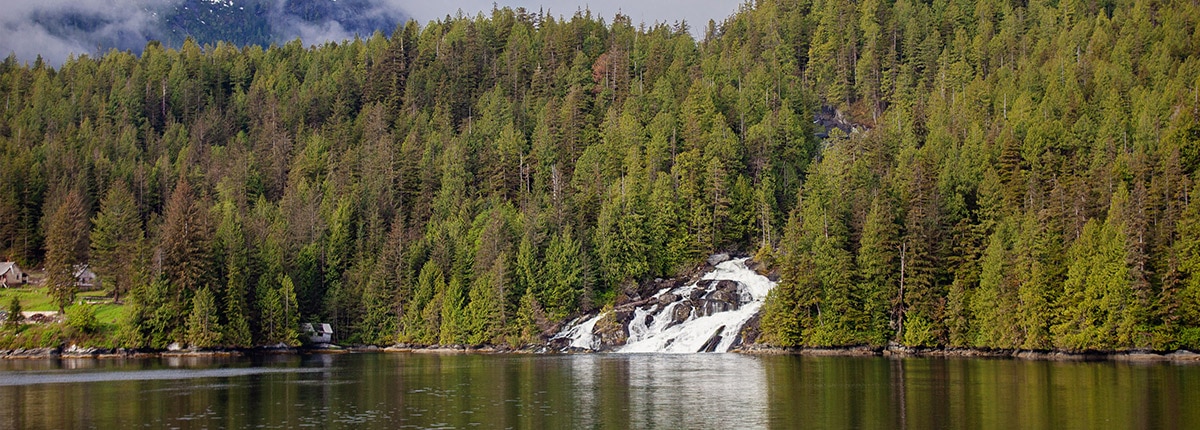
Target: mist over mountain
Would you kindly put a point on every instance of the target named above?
(56, 29)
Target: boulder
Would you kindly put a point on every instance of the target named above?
(613, 329)
(713, 342)
(716, 259)
(681, 313)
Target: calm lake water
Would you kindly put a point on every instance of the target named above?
(724, 391)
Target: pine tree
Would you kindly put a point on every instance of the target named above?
(877, 265)
(14, 317)
(116, 239)
(992, 304)
(203, 325)
(1184, 318)
(562, 272)
(273, 327)
(1098, 295)
(453, 299)
(66, 249)
(280, 314)
(921, 293)
(290, 313)
(422, 320)
(232, 240)
(528, 321)
(787, 310)
(237, 329)
(186, 243)
(485, 311)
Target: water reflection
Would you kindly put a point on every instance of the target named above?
(924, 393)
(594, 391)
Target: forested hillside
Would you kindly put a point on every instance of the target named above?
(1026, 181)
(1019, 175)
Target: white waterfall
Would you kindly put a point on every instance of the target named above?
(705, 316)
(580, 333)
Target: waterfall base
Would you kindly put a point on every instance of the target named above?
(705, 316)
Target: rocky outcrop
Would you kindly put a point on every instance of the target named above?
(31, 353)
(709, 297)
(613, 329)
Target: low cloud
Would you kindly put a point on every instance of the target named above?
(297, 18)
(59, 29)
(56, 29)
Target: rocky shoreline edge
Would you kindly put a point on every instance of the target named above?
(896, 351)
(74, 352)
(892, 351)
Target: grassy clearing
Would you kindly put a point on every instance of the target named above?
(32, 299)
(110, 314)
(37, 299)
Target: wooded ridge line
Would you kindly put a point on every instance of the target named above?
(1023, 177)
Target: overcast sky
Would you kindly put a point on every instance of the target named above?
(696, 12)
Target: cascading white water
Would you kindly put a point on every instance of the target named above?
(580, 333)
(705, 316)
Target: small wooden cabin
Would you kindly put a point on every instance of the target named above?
(317, 332)
(85, 278)
(11, 275)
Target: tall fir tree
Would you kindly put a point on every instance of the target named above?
(66, 249)
(116, 240)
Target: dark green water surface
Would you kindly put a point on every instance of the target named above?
(717, 391)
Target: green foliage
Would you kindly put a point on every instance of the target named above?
(562, 275)
(1097, 301)
(82, 319)
(116, 239)
(152, 320)
(478, 179)
(918, 331)
(66, 248)
(14, 317)
(528, 321)
(279, 314)
(237, 329)
(203, 327)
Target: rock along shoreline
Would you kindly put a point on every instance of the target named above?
(893, 351)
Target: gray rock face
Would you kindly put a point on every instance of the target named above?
(708, 298)
(613, 329)
(716, 259)
(718, 296)
(681, 313)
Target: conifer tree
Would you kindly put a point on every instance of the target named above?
(66, 248)
(116, 239)
(562, 272)
(14, 316)
(1184, 318)
(528, 321)
(186, 243)
(878, 269)
(203, 325)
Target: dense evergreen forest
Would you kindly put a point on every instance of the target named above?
(1017, 175)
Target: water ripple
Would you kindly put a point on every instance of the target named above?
(38, 378)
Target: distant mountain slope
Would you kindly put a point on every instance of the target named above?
(261, 22)
(209, 21)
(55, 29)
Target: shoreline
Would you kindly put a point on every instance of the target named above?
(1132, 356)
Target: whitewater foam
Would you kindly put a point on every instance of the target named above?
(707, 326)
